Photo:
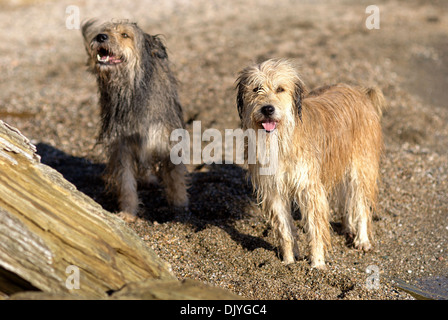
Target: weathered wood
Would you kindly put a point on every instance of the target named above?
(155, 289)
(150, 289)
(47, 225)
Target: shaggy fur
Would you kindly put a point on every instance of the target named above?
(326, 141)
(139, 109)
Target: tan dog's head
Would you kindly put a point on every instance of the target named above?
(269, 96)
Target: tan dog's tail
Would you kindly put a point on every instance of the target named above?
(376, 96)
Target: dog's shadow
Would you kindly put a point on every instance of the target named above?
(84, 174)
(219, 195)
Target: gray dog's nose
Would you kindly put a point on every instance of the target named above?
(268, 110)
(101, 37)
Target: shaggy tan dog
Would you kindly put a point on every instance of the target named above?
(326, 141)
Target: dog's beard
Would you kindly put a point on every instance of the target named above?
(282, 128)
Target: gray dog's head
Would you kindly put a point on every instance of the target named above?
(119, 46)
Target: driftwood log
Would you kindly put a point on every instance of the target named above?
(57, 243)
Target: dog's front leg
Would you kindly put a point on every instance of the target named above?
(121, 177)
(278, 211)
(174, 178)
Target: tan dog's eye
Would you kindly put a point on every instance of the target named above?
(280, 89)
(125, 35)
(256, 89)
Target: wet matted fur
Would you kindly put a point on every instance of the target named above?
(139, 109)
(328, 141)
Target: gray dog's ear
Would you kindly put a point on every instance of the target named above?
(86, 29)
(299, 94)
(155, 47)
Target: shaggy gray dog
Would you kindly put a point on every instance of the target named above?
(139, 109)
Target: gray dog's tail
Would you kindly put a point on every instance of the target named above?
(376, 96)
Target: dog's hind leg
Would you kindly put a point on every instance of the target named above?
(315, 209)
(360, 200)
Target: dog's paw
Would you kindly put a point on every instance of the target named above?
(127, 217)
(364, 245)
(319, 265)
(179, 201)
(288, 260)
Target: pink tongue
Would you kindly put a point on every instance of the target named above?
(269, 126)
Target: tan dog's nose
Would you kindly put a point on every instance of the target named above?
(268, 110)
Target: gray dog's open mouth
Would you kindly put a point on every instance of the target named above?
(107, 57)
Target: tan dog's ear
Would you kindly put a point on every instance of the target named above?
(240, 87)
(299, 94)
